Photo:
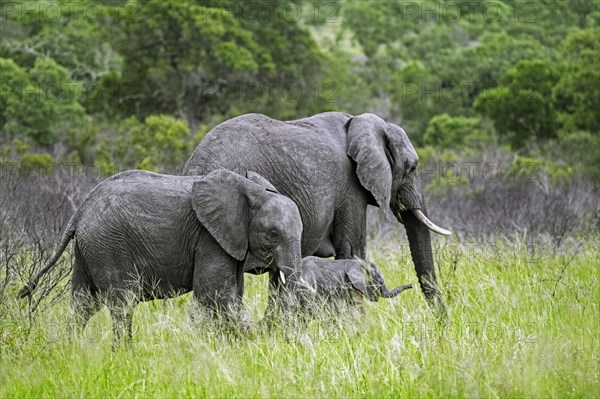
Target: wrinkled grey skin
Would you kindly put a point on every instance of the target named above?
(141, 235)
(330, 279)
(331, 165)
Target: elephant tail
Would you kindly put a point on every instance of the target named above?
(67, 235)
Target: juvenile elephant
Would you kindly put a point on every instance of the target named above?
(141, 235)
(334, 280)
(331, 165)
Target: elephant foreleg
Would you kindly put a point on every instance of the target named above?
(218, 280)
(350, 226)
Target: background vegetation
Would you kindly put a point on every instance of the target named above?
(117, 82)
(499, 97)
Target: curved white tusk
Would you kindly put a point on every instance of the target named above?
(430, 225)
(282, 276)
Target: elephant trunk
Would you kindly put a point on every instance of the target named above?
(288, 275)
(385, 293)
(288, 265)
(419, 240)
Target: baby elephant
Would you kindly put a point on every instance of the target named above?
(327, 279)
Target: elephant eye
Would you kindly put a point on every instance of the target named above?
(409, 168)
(273, 234)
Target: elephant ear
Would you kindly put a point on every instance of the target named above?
(222, 206)
(356, 277)
(366, 146)
(258, 179)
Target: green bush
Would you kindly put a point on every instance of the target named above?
(38, 103)
(576, 95)
(19, 153)
(160, 143)
(42, 163)
(579, 151)
(425, 153)
(525, 169)
(521, 106)
(452, 131)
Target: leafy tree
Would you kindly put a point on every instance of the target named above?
(38, 103)
(580, 150)
(161, 142)
(71, 33)
(410, 95)
(446, 131)
(577, 93)
(291, 84)
(343, 88)
(482, 66)
(371, 23)
(521, 106)
(408, 24)
(181, 58)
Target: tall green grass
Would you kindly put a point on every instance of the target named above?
(523, 322)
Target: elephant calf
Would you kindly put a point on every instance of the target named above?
(338, 281)
(141, 235)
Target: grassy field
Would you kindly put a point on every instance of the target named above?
(523, 323)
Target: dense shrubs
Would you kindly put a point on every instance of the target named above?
(39, 103)
(160, 143)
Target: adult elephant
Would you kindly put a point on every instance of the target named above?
(331, 165)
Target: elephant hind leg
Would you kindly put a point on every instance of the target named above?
(85, 305)
(85, 299)
(122, 318)
(121, 303)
